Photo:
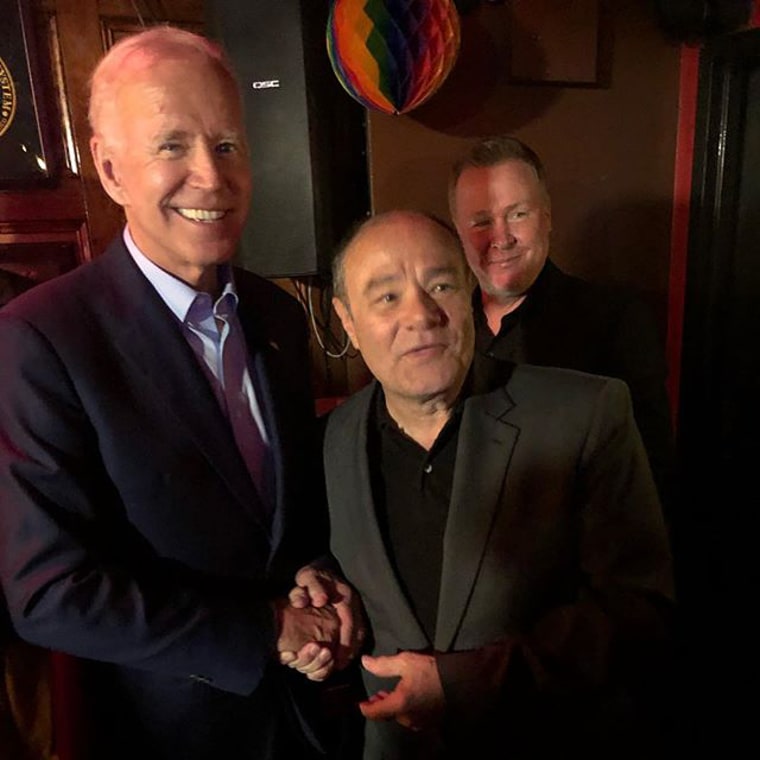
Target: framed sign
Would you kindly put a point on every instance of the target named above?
(26, 155)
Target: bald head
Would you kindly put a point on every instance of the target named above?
(387, 225)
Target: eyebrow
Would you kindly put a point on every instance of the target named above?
(169, 134)
(378, 282)
(429, 274)
(510, 207)
(181, 134)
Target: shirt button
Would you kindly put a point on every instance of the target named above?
(428, 469)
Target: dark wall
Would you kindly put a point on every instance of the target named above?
(609, 148)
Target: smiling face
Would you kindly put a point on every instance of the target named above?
(407, 307)
(503, 217)
(170, 149)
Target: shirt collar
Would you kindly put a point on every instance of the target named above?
(178, 295)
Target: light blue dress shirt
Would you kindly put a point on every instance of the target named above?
(208, 326)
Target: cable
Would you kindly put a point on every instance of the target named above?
(321, 328)
(346, 345)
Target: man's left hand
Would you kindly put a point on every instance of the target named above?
(417, 702)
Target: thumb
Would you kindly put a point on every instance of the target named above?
(385, 667)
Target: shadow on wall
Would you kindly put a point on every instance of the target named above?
(475, 99)
(626, 243)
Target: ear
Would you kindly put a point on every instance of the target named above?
(346, 320)
(102, 156)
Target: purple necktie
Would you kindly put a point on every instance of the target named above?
(253, 448)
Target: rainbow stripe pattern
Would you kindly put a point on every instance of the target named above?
(392, 55)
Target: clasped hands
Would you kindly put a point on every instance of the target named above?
(321, 626)
(322, 629)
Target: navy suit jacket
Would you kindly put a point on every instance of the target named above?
(130, 533)
(556, 578)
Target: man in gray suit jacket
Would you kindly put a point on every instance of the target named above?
(501, 525)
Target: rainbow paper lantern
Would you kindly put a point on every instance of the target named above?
(392, 55)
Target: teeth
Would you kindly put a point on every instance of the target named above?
(200, 215)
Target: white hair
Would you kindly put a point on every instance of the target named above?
(141, 50)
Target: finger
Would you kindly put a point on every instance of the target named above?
(351, 637)
(287, 657)
(316, 583)
(323, 659)
(305, 655)
(345, 615)
(385, 708)
(385, 667)
(378, 695)
(322, 673)
(299, 597)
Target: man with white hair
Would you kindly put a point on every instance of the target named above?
(158, 483)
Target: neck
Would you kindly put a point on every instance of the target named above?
(206, 280)
(422, 421)
(495, 308)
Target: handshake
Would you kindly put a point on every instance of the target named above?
(320, 624)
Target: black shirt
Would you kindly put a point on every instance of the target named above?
(412, 492)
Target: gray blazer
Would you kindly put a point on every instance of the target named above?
(556, 567)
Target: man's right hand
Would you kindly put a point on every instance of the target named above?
(307, 638)
(298, 626)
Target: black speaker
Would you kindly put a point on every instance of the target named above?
(307, 135)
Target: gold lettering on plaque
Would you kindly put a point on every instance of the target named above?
(7, 98)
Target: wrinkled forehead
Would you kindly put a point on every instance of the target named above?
(401, 250)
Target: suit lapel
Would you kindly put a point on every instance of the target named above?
(354, 519)
(486, 441)
(149, 338)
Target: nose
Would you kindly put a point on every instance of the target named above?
(205, 168)
(422, 310)
(502, 236)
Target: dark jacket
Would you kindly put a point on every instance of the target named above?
(129, 529)
(571, 323)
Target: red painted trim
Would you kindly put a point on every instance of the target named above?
(69, 724)
(679, 237)
(754, 19)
